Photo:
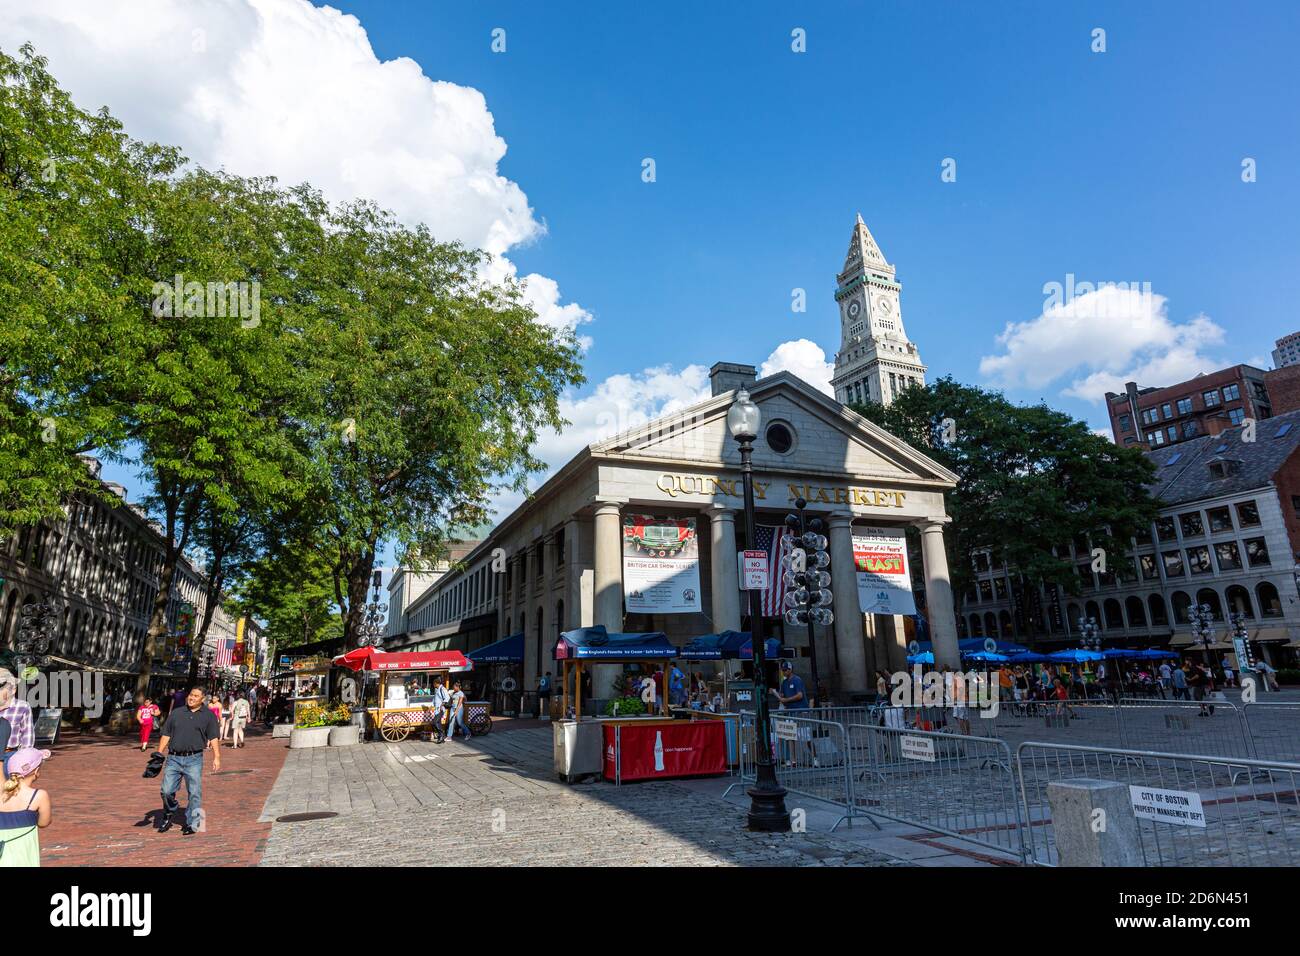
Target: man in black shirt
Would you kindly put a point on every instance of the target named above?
(189, 731)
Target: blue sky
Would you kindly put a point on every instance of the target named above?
(1115, 166)
(1119, 166)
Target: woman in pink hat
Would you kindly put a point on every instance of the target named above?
(23, 810)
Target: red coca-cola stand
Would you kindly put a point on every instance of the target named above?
(664, 749)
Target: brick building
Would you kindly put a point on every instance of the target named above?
(1205, 405)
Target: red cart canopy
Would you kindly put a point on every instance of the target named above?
(369, 659)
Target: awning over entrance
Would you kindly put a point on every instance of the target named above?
(595, 643)
(508, 650)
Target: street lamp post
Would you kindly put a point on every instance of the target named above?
(767, 812)
(1089, 634)
(373, 617)
(1201, 618)
(807, 601)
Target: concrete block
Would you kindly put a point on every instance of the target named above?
(1086, 837)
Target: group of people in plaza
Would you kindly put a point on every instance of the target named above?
(234, 711)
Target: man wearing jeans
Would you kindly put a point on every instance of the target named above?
(188, 732)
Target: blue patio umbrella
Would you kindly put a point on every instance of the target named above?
(1029, 657)
(984, 656)
(925, 657)
(1152, 654)
(1118, 652)
(1076, 656)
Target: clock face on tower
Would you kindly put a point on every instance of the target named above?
(854, 308)
(884, 306)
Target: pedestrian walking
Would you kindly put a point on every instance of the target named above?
(24, 810)
(1227, 671)
(187, 733)
(18, 713)
(1179, 680)
(1166, 673)
(239, 714)
(456, 712)
(146, 715)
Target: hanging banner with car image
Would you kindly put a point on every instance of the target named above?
(661, 565)
(884, 579)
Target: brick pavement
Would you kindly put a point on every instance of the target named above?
(496, 802)
(106, 814)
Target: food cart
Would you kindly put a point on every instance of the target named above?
(398, 711)
(310, 682)
(649, 746)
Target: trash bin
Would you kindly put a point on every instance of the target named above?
(576, 747)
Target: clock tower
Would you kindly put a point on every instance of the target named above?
(876, 360)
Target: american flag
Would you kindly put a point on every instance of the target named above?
(768, 538)
(225, 653)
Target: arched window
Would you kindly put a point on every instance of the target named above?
(1137, 613)
(976, 628)
(1270, 605)
(1181, 603)
(1004, 622)
(991, 624)
(1239, 601)
(1210, 598)
(1072, 617)
(1094, 612)
(962, 630)
(1114, 615)
(1159, 616)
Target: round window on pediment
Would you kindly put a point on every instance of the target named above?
(780, 438)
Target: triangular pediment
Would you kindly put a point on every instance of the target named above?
(826, 437)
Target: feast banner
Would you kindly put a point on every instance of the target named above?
(884, 580)
(661, 565)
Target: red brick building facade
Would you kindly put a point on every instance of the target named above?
(1206, 405)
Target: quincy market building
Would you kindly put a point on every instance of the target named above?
(591, 546)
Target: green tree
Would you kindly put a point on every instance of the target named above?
(1032, 480)
(70, 283)
(430, 386)
(208, 379)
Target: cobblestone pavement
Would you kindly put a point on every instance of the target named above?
(106, 814)
(496, 802)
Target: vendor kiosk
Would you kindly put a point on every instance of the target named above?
(310, 683)
(405, 701)
(649, 746)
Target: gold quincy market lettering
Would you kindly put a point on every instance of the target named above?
(674, 485)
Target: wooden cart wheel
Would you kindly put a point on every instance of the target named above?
(395, 733)
(480, 724)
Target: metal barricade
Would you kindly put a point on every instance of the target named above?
(1249, 806)
(1273, 730)
(1210, 727)
(960, 786)
(810, 756)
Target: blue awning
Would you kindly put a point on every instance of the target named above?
(595, 643)
(715, 647)
(508, 650)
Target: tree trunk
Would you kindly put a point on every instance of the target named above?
(358, 581)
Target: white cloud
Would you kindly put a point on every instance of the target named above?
(1100, 340)
(619, 403)
(285, 88)
(803, 358)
